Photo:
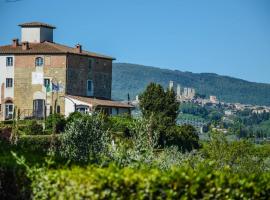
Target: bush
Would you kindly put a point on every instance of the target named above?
(184, 137)
(241, 156)
(31, 127)
(120, 124)
(84, 139)
(73, 116)
(39, 143)
(128, 183)
(56, 121)
(139, 149)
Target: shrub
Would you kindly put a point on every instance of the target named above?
(120, 124)
(57, 122)
(184, 137)
(128, 183)
(84, 139)
(39, 143)
(31, 127)
(140, 148)
(73, 116)
(241, 156)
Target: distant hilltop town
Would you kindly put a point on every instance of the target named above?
(188, 95)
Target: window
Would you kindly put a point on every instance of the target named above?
(90, 65)
(9, 82)
(9, 61)
(82, 109)
(47, 82)
(39, 62)
(8, 111)
(89, 85)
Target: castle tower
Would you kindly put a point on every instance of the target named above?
(171, 85)
(178, 91)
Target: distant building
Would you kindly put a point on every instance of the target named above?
(171, 85)
(40, 77)
(186, 95)
(213, 99)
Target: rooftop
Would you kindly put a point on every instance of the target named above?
(36, 24)
(48, 48)
(101, 102)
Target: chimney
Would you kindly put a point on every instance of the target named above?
(79, 48)
(25, 45)
(15, 42)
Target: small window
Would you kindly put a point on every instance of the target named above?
(9, 82)
(89, 85)
(47, 82)
(9, 61)
(90, 65)
(39, 62)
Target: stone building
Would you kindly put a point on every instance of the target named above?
(40, 77)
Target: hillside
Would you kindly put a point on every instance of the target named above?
(132, 79)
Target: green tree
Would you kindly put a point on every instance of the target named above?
(85, 139)
(162, 107)
(184, 137)
(155, 101)
(152, 100)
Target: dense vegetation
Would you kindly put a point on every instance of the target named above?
(133, 79)
(103, 157)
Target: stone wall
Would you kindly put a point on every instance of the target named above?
(83, 68)
(54, 68)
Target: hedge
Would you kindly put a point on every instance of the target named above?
(127, 183)
(37, 142)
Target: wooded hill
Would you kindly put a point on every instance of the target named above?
(133, 79)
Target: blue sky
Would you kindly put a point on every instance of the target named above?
(228, 37)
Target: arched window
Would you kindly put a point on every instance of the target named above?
(39, 62)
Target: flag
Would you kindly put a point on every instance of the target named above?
(48, 88)
(55, 87)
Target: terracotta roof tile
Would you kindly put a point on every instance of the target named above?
(36, 24)
(101, 102)
(48, 48)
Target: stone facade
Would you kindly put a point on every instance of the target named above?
(24, 91)
(71, 72)
(83, 68)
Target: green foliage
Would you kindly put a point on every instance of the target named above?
(161, 108)
(193, 109)
(56, 123)
(120, 124)
(73, 116)
(141, 147)
(39, 143)
(240, 156)
(31, 127)
(128, 183)
(155, 101)
(84, 139)
(184, 137)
